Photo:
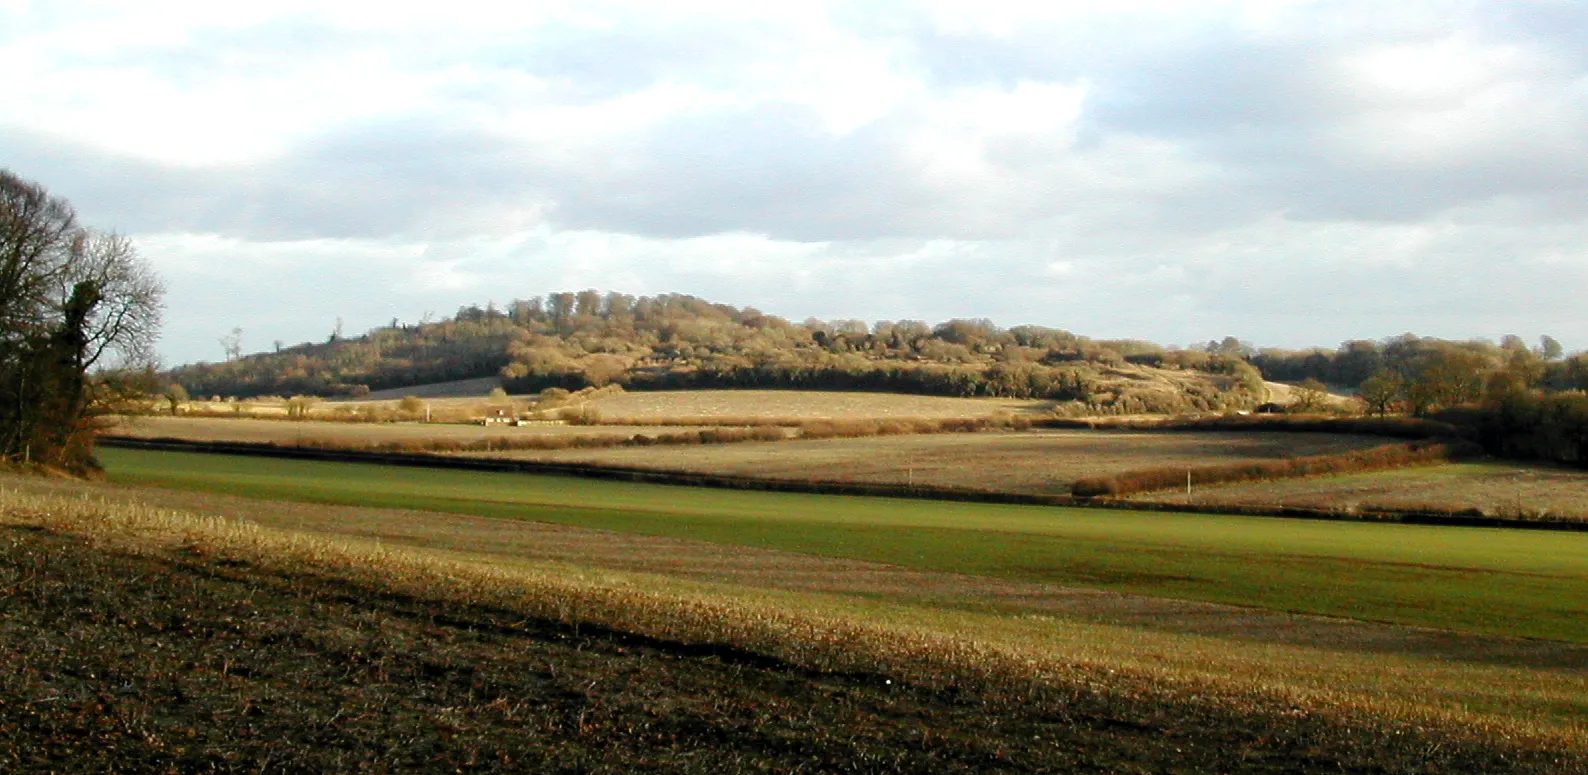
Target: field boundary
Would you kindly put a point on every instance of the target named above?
(1453, 518)
(1395, 427)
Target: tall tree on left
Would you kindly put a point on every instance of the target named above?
(77, 307)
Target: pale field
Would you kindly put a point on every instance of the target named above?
(1041, 462)
(455, 406)
(802, 403)
(734, 405)
(1284, 393)
(1499, 488)
(244, 429)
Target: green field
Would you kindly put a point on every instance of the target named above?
(1524, 583)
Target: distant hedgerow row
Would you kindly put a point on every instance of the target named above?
(718, 434)
(1396, 427)
(1382, 458)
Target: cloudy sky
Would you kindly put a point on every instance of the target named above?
(1292, 173)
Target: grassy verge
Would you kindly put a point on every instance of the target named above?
(1480, 580)
(157, 641)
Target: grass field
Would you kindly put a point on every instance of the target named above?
(151, 642)
(1502, 488)
(1036, 462)
(1512, 583)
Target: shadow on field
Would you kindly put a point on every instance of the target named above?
(188, 662)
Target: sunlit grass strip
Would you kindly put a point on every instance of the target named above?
(1173, 675)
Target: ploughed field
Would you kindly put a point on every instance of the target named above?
(147, 641)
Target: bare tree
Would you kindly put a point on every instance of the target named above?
(74, 304)
(1310, 396)
(232, 344)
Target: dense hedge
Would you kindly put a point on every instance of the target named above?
(1531, 426)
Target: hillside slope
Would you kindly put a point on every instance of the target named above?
(679, 342)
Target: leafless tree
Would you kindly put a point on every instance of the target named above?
(76, 306)
(232, 344)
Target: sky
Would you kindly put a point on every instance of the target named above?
(1289, 173)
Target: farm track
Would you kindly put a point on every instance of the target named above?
(187, 661)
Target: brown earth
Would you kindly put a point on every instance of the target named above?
(156, 664)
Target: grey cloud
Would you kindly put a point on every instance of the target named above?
(377, 180)
(770, 169)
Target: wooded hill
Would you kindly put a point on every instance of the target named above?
(590, 339)
(575, 340)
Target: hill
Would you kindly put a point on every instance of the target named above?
(588, 339)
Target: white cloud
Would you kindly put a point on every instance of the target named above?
(1289, 172)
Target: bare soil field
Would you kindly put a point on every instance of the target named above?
(800, 403)
(201, 654)
(1499, 488)
(195, 663)
(245, 429)
(1042, 462)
